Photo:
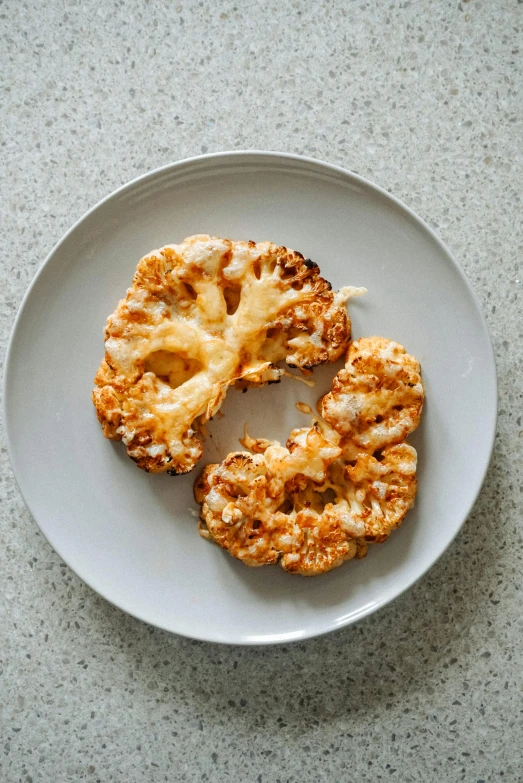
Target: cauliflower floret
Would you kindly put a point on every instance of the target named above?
(199, 317)
(376, 400)
(324, 544)
(380, 492)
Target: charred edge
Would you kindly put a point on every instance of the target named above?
(313, 365)
(310, 264)
(271, 382)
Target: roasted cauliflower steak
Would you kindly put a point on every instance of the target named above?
(307, 506)
(198, 318)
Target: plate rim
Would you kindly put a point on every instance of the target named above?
(290, 636)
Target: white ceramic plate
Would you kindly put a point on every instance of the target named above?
(131, 536)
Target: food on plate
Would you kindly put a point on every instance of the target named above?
(376, 399)
(200, 317)
(306, 505)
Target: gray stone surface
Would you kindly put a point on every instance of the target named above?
(425, 99)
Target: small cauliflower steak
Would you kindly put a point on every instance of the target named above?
(335, 487)
(200, 317)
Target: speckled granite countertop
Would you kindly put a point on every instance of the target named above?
(425, 99)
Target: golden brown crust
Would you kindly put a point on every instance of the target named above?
(199, 317)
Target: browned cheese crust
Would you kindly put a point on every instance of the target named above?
(199, 317)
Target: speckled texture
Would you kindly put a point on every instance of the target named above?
(425, 99)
